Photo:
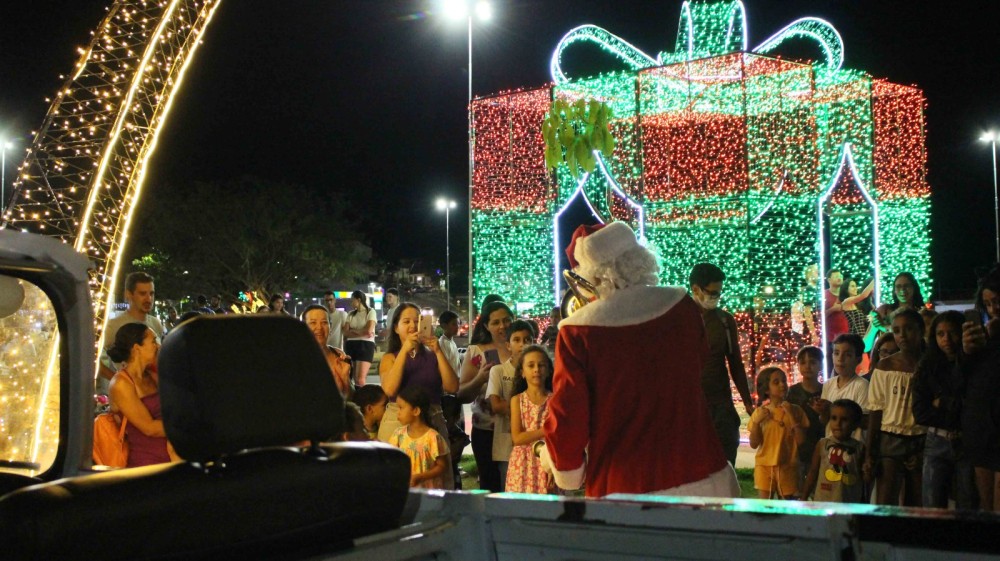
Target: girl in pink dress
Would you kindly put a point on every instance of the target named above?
(532, 388)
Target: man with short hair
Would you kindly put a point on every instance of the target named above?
(215, 302)
(202, 305)
(448, 321)
(391, 303)
(451, 407)
(337, 319)
(803, 325)
(139, 293)
(724, 347)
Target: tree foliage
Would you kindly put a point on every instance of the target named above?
(247, 234)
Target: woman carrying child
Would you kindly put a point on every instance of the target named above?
(528, 405)
(427, 449)
(777, 427)
(894, 439)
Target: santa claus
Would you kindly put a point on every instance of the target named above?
(627, 413)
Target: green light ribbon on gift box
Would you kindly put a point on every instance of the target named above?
(706, 29)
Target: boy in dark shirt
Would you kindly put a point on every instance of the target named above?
(807, 395)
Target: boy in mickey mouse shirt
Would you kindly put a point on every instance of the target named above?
(835, 474)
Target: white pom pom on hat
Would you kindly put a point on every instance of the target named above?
(604, 245)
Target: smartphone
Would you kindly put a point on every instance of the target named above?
(425, 328)
(974, 316)
(492, 356)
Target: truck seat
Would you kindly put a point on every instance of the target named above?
(237, 394)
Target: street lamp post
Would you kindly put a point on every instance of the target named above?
(446, 206)
(469, 9)
(4, 146)
(992, 137)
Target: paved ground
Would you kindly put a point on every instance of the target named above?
(744, 456)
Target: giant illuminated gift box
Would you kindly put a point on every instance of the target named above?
(724, 154)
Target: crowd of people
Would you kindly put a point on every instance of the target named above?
(908, 417)
(918, 427)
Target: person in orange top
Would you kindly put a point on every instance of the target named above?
(777, 428)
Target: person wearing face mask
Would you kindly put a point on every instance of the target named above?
(724, 360)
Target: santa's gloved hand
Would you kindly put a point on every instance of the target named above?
(542, 453)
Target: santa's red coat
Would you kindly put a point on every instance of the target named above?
(627, 384)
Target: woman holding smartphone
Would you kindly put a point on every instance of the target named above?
(415, 360)
(487, 348)
(981, 408)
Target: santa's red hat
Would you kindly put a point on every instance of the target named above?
(595, 245)
(581, 231)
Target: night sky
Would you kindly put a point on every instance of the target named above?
(368, 98)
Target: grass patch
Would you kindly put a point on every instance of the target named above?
(744, 476)
(470, 473)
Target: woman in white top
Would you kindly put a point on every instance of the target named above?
(359, 335)
(895, 442)
(487, 348)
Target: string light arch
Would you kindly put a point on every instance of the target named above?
(83, 173)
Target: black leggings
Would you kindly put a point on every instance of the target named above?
(489, 471)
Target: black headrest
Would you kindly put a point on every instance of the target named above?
(228, 383)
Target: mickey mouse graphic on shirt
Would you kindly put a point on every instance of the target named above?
(840, 459)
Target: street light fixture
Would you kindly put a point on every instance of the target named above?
(4, 146)
(484, 10)
(446, 205)
(468, 9)
(992, 138)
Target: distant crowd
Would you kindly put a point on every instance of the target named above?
(909, 412)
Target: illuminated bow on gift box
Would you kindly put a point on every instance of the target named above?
(706, 29)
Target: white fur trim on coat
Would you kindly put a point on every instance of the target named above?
(628, 306)
(571, 479)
